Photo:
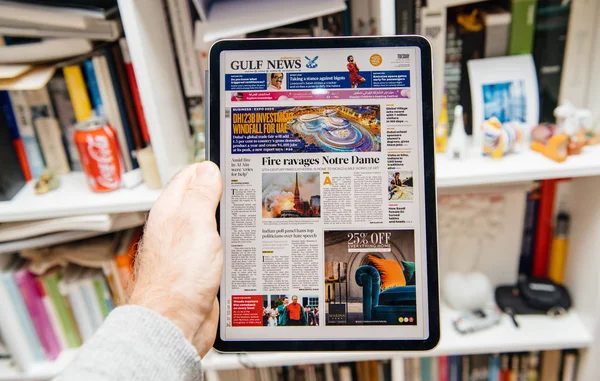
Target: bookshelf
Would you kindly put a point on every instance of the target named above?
(154, 62)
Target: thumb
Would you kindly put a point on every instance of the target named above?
(204, 189)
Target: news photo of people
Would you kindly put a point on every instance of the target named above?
(400, 186)
(291, 310)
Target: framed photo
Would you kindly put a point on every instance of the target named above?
(504, 87)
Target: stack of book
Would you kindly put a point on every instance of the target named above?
(47, 312)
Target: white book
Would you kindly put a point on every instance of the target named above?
(51, 16)
(26, 128)
(20, 230)
(111, 108)
(55, 321)
(45, 50)
(181, 27)
(70, 288)
(111, 32)
(48, 131)
(91, 298)
(12, 328)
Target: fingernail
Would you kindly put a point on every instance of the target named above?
(205, 173)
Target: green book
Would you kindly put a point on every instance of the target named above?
(99, 288)
(60, 304)
(522, 27)
(425, 369)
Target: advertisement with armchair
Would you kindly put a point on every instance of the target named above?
(370, 277)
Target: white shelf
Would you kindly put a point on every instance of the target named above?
(535, 333)
(229, 19)
(525, 166)
(39, 372)
(73, 197)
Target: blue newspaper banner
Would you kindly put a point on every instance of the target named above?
(391, 79)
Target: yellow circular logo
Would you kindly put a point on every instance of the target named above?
(400, 320)
(375, 60)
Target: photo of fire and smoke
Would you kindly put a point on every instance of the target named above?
(291, 195)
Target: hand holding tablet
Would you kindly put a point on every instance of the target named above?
(328, 213)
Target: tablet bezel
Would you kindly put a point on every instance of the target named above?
(213, 153)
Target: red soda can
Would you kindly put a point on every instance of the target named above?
(99, 154)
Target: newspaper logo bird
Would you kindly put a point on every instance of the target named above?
(311, 64)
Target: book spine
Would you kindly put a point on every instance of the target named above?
(66, 117)
(81, 316)
(129, 144)
(92, 83)
(443, 368)
(569, 365)
(26, 128)
(91, 302)
(135, 92)
(544, 228)
(13, 330)
(529, 231)
(66, 320)
(99, 290)
(112, 110)
(426, 368)
(405, 17)
(417, 14)
(452, 68)
(52, 315)
(17, 142)
(48, 131)
(433, 25)
(39, 316)
(494, 368)
(134, 126)
(78, 92)
(522, 27)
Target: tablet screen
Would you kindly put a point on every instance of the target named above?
(323, 218)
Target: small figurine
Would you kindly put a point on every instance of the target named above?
(46, 183)
(500, 139)
(572, 132)
(441, 128)
(457, 145)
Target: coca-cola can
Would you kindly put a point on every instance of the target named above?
(99, 154)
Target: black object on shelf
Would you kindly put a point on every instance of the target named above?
(533, 296)
(11, 176)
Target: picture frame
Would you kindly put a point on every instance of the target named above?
(504, 87)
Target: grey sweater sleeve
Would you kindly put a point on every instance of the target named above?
(135, 343)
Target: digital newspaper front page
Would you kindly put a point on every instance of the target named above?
(322, 229)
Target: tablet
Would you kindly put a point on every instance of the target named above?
(328, 214)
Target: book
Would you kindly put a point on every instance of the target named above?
(529, 231)
(454, 368)
(52, 315)
(405, 17)
(452, 66)
(78, 92)
(11, 174)
(111, 107)
(90, 297)
(92, 85)
(127, 97)
(433, 27)
(44, 50)
(16, 326)
(443, 368)
(522, 26)
(550, 366)
(426, 368)
(101, 294)
(544, 228)
(70, 288)
(17, 142)
(570, 358)
(48, 131)
(34, 20)
(66, 117)
(135, 92)
(100, 9)
(26, 128)
(550, 37)
(32, 297)
(51, 283)
(494, 368)
(497, 23)
(187, 60)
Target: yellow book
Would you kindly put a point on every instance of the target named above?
(558, 252)
(78, 92)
